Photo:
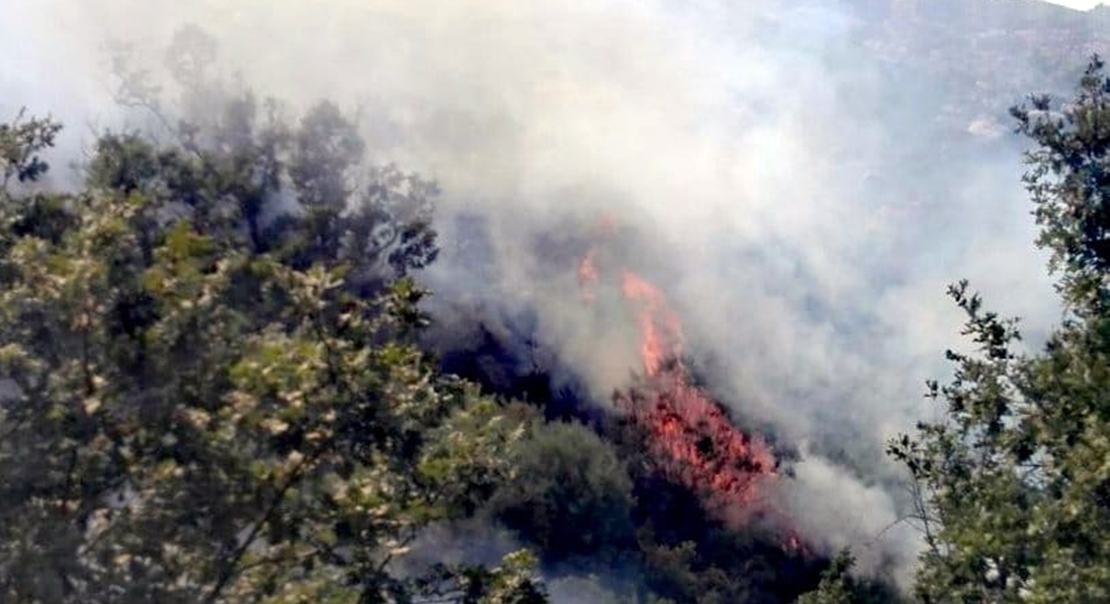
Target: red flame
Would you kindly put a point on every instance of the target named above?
(692, 438)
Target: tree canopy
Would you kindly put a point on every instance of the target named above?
(1014, 483)
(210, 388)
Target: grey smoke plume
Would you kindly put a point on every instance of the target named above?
(801, 198)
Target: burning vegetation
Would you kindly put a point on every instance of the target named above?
(672, 496)
(691, 438)
(220, 380)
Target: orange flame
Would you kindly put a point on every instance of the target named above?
(692, 440)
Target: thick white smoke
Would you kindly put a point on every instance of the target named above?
(774, 169)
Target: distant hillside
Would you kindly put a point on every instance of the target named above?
(985, 52)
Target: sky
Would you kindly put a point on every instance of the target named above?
(1077, 4)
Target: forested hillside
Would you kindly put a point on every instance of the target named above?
(240, 362)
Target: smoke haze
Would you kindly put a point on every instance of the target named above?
(789, 189)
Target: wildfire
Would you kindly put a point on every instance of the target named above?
(691, 438)
(587, 275)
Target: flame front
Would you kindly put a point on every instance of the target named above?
(660, 330)
(692, 439)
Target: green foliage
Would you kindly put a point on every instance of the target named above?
(687, 572)
(302, 192)
(1014, 486)
(1070, 185)
(510, 583)
(836, 584)
(200, 406)
(573, 496)
(21, 141)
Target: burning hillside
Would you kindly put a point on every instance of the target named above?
(691, 439)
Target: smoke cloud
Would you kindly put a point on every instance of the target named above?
(789, 187)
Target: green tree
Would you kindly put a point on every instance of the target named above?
(839, 586)
(836, 585)
(1014, 484)
(205, 397)
(574, 497)
(21, 141)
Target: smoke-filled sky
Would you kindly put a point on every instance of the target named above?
(1078, 4)
(785, 185)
